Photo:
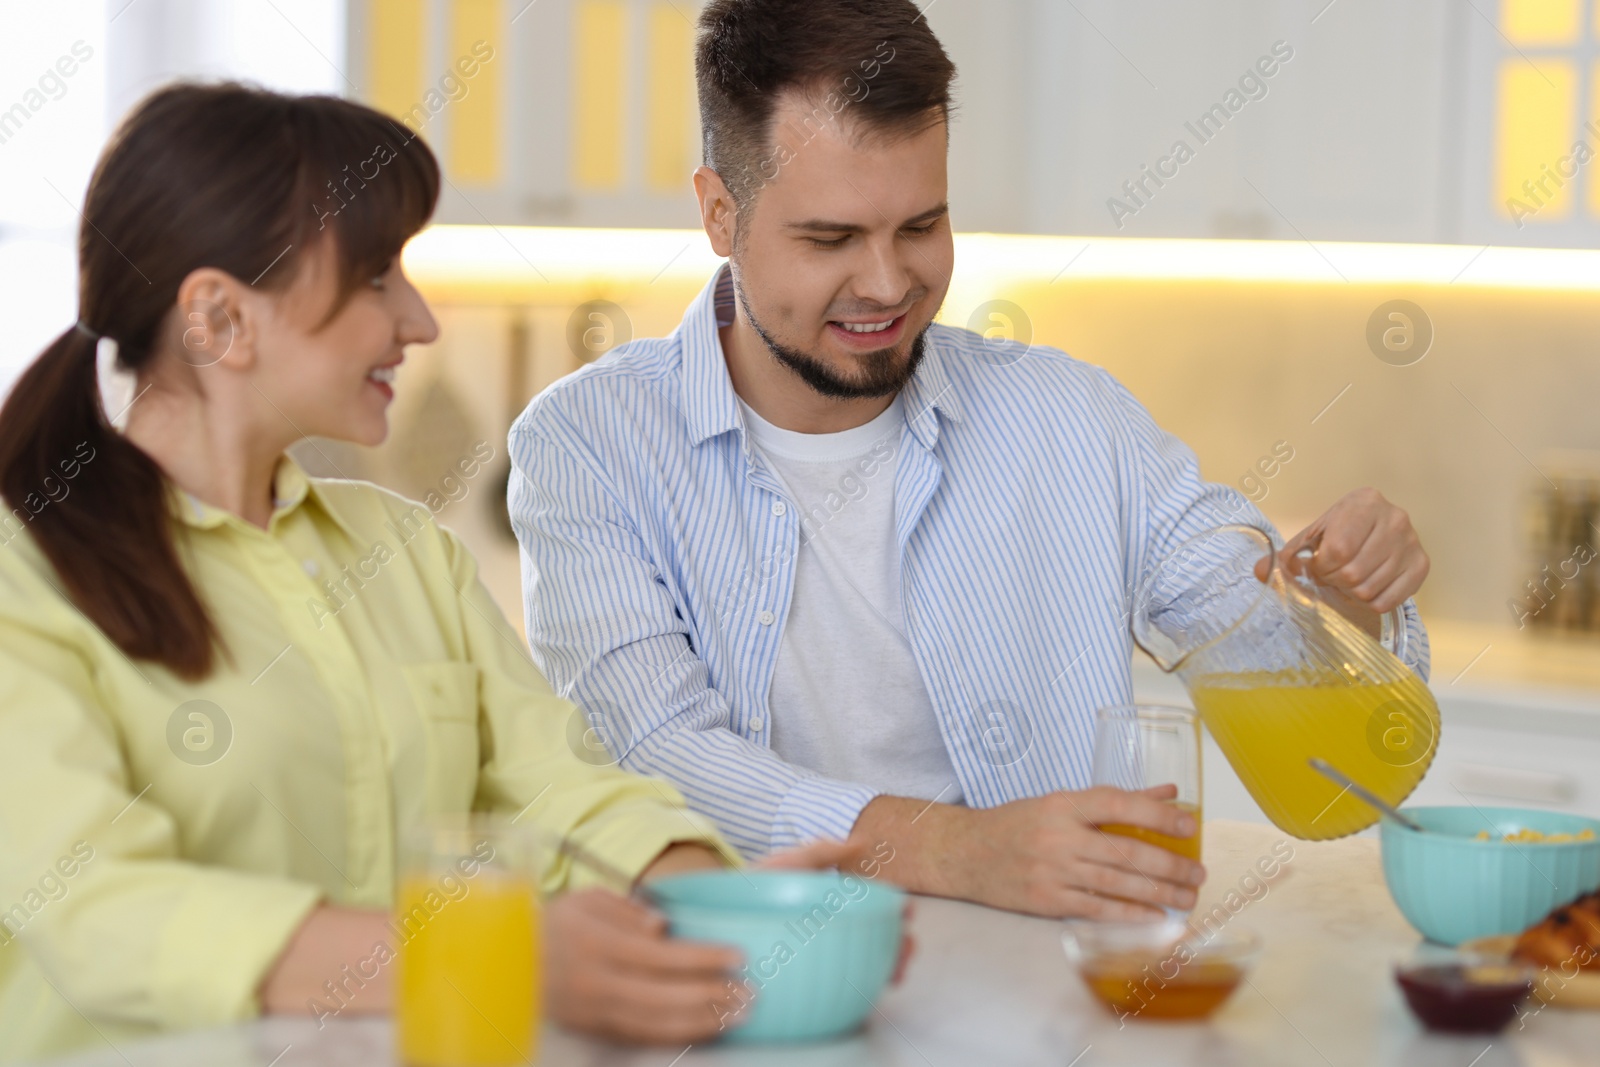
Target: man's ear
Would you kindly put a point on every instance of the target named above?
(214, 323)
(718, 213)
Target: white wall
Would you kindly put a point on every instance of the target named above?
(134, 47)
(47, 151)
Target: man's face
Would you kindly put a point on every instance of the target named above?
(843, 259)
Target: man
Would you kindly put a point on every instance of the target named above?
(834, 570)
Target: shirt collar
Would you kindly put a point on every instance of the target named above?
(709, 403)
(929, 390)
(711, 407)
(291, 487)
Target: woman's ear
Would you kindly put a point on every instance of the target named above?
(214, 320)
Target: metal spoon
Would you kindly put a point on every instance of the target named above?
(1323, 768)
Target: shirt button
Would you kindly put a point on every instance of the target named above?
(311, 567)
(779, 507)
(756, 723)
(766, 618)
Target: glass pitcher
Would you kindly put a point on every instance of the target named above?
(1279, 676)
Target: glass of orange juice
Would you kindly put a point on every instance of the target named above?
(1137, 746)
(467, 987)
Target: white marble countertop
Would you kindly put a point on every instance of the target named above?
(989, 987)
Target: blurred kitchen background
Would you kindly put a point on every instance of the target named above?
(1373, 254)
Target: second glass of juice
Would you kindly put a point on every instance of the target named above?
(1137, 746)
(467, 989)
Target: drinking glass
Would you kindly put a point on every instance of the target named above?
(1137, 746)
(467, 913)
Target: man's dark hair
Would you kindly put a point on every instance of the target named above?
(874, 61)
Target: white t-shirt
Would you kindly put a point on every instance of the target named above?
(847, 698)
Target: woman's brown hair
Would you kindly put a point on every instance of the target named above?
(227, 176)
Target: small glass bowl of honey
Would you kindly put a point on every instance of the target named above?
(1160, 969)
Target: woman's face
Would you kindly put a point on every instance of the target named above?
(334, 378)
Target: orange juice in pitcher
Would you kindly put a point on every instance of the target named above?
(1280, 677)
(1270, 727)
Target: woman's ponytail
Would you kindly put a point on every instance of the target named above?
(97, 507)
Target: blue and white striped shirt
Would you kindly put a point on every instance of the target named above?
(659, 549)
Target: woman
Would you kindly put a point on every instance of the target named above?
(226, 689)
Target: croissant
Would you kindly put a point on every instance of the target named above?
(1567, 937)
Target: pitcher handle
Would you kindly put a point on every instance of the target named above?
(1392, 635)
(1391, 625)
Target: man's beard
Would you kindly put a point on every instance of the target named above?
(881, 375)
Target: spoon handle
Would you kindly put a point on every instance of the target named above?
(619, 880)
(1325, 769)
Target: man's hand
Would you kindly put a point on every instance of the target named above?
(1044, 855)
(612, 971)
(1368, 551)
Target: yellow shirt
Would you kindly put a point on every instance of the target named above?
(160, 840)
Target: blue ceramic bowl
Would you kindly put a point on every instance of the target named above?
(1454, 888)
(818, 946)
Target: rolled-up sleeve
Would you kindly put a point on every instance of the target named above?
(1173, 503)
(134, 933)
(605, 631)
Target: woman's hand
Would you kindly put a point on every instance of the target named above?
(612, 971)
(329, 939)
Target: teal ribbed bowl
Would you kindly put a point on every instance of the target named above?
(1454, 888)
(818, 946)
